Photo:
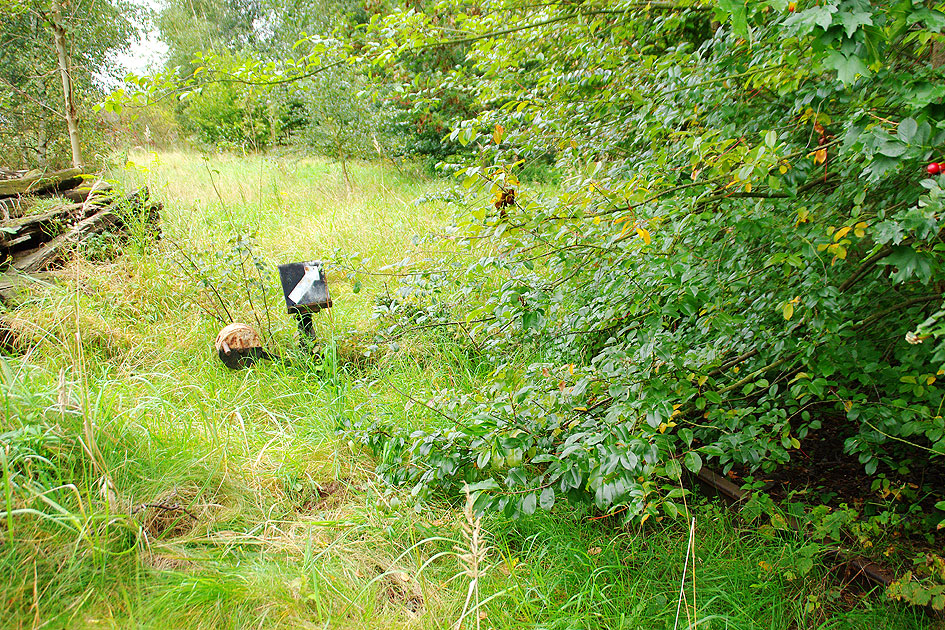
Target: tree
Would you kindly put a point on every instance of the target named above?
(49, 52)
(241, 66)
(58, 28)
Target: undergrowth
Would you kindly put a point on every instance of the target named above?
(145, 485)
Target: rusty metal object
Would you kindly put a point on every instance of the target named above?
(239, 346)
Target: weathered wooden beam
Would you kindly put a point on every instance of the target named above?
(22, 233)
(14, 285)
(34, 182)
(55, 249)
(84, 192)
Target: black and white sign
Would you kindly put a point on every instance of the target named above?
(305, 287)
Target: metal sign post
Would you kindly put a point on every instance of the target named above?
(305, 288)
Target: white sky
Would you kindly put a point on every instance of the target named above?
(143, 57)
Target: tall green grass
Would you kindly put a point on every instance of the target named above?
(144, 485)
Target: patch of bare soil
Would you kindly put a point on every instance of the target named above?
(324, 496)
(820, 472)
(167, 515)
(403, 592)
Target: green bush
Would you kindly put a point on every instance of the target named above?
(744, 238)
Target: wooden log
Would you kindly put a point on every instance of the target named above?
(11, 207)
(32, 244)
(24, 233)
(82, 194)
(36, 183)
(54, 250)
(15, 285)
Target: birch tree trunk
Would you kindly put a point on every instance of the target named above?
(65, 65)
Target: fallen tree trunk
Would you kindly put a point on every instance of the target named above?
(53, 251)
(32, 244)
(39, 183)
(22, 234)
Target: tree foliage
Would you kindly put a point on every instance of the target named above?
(32, 123)
(743, 245)
(245, 72)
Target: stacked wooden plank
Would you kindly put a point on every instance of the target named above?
(43, 216)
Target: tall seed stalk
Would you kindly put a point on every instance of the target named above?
(473, 560)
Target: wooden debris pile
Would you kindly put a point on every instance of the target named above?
(43, 216)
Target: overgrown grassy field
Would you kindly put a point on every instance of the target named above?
(147, 486)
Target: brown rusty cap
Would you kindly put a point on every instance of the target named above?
(237, 336)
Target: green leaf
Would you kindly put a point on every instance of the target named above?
(693, 461)
(529, 503)
(907, 129)
(892, 148)
(488, 484)
(822, 16)
(547, 498)
(908, 263)
(530, 320)
(847, 67)
(852, 20)
(673, 469)
(737, 12)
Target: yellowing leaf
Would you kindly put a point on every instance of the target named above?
(860, 229)
(787, 310)
(847, 405)
(747, 187)
(841, 233)
(498, 133)
(597, 220)
(820, 156)
(644, 235)
(930, 380)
